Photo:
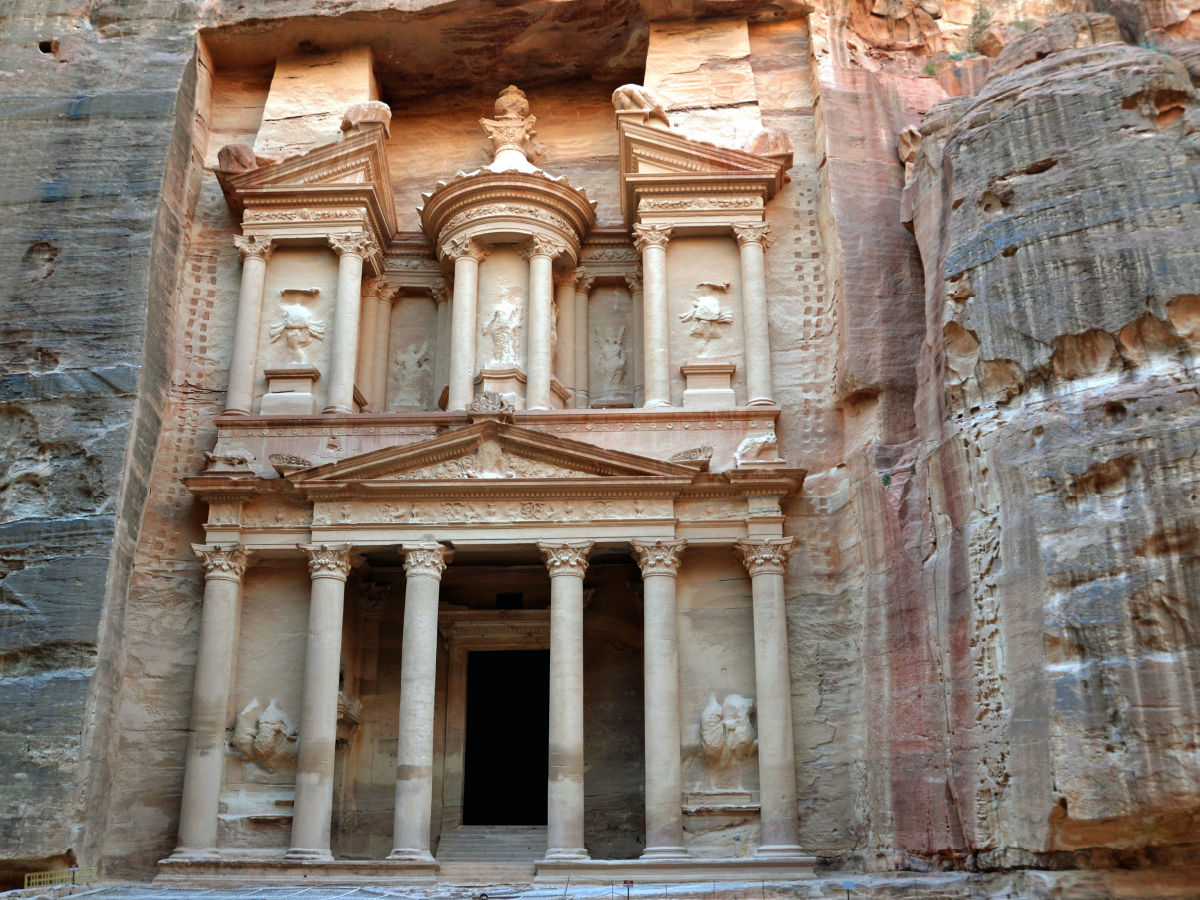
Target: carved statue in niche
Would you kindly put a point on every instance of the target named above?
(724, 738)
(267, 737)
(610, 359)
(706, 313)
(504, 325)
(298, 327)
(413, 374)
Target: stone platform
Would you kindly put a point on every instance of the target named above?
(217, 872)
(674, 871)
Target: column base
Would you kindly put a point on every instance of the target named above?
(779, 851)
(300, 854)
(658, 404)
(194, 854)
(412, 855)
(574, 853)
(336, 411)
(236, 412)
(665, 853)
(761, 401)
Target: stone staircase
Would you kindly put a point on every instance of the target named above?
(490, 854)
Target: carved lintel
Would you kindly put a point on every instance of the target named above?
(765, 556)
(647, 236)
(566, 557)
(753, 233)
(658, 557)
(329, 560)
(464, 245)
(254, 246)
(426, 558)
(223, 562)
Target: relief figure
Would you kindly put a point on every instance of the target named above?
(504, 325)
(413, 374)
(298, 327)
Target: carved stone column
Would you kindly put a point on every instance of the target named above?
(638, 344)
(423, 567)
(329, 566)
(766, 561)
(385, 295)
(753, 241)
(540, 251)
(659, 561)
(567, 562)
(651, 242)
(224, 566)
(583, 336)
(564, 367)
(352, 248)
(255, 251)
(441, 358)
(467, 256)
(364, 367)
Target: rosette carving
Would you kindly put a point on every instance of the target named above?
(427, 559)
(328, 560)
(226, 562)
(768, 556)
(566, 557)
(658, 557)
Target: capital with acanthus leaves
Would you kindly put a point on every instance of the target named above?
(658, 557)
(329, 560)
(427, 558)
(254, 246)
(753, 233)
(634, 280)
(464, 245)
(765, 556)
(583, 281)
(223, 562)
(540, 245)
(358, 243)
(651, 236)
(566, 557)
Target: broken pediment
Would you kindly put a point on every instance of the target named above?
(488, 450)
(665, 168)
(342, 181)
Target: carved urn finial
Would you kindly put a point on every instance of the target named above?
(511, 132)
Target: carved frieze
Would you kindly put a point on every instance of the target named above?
(672, 204)
(477, 511)
(266, 216)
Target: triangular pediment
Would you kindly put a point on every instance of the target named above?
(357, 163)
(657, 157)
(489, 451)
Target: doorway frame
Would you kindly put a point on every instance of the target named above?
(462, 632)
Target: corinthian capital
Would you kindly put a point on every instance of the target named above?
(464, 245)
(634, 280)
(756, 233)
(566, 557)
(658, 557)
(583, 281)
(328, 560)
(426, 558)
(540, 245)
(254, 246)
(440, 291)
(357, 242)
(651, 236)
(225, 562)
(767, 556)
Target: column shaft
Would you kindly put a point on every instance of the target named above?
(752, 240)
(652, 242)
(638, 344)
(567, 563)
(329, 565)
(423, 565)
(364, 368)
(564, 366)
(538, 358)
(382, 338)
(583, 336)
(659, 561)
(441, 357)
(351, 249)
(219, 619)
(767, 560)
(256, 251)
(467, 257)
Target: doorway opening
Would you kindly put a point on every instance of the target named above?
(508, 731)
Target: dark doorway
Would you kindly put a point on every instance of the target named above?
(508, 728)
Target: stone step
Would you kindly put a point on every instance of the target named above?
(516, 843)
(493, 872)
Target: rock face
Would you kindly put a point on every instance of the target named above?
(1055, 214)
(984, 351)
